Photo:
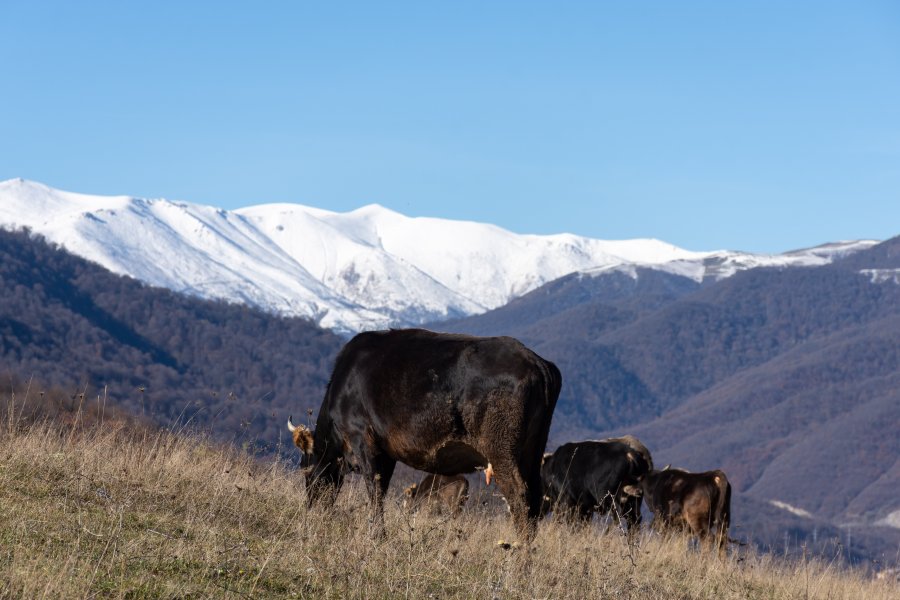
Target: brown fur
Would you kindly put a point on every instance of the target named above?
(303, 439)
(699, 503)
(439, 493)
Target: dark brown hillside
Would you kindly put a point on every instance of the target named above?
(559, 302)
(813, 428)
(885, 255)
(565, 321)
(745, 321)
(72, 324)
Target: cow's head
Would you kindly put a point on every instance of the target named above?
(321, 465)
(636, 487)
(633, 489)
(647, 487)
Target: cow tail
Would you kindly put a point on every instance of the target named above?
(723, 507)
(552, 383)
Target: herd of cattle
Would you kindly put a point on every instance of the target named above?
(451, 404)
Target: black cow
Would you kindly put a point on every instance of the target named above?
(589, 476)
(697, 502)
(441, 403)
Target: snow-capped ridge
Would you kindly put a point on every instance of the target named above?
(371, 267)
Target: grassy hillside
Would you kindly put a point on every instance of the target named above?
(112, 512)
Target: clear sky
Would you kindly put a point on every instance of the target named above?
(761, 126)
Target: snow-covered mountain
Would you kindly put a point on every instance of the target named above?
(365, 269)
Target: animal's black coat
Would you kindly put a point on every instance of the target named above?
(588, 476)
(441, 403)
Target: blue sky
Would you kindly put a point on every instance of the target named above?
(761, 126)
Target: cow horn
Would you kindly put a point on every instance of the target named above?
(291, 427)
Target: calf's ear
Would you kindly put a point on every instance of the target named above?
(633, 490)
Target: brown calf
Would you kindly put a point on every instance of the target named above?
(439, 493)
(697, 502)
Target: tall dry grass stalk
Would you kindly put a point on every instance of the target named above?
(105, 512)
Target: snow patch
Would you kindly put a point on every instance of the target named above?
(891, 520)
(882, 275)
(791, 509)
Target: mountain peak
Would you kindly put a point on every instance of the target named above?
(371, 267)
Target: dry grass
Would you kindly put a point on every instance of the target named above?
(108, 513)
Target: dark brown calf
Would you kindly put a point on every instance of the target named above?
(697, 502)
(440, 493)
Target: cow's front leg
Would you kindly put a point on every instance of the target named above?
(524, 504)
(384, 470)
(376, 469)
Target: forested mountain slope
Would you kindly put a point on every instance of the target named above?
(69, 323)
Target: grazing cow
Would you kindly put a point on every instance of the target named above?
(589, 476)
(439, 492)
(441, 403)
(697, 502)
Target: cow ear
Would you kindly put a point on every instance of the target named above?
(303, 439)
(633, 490)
